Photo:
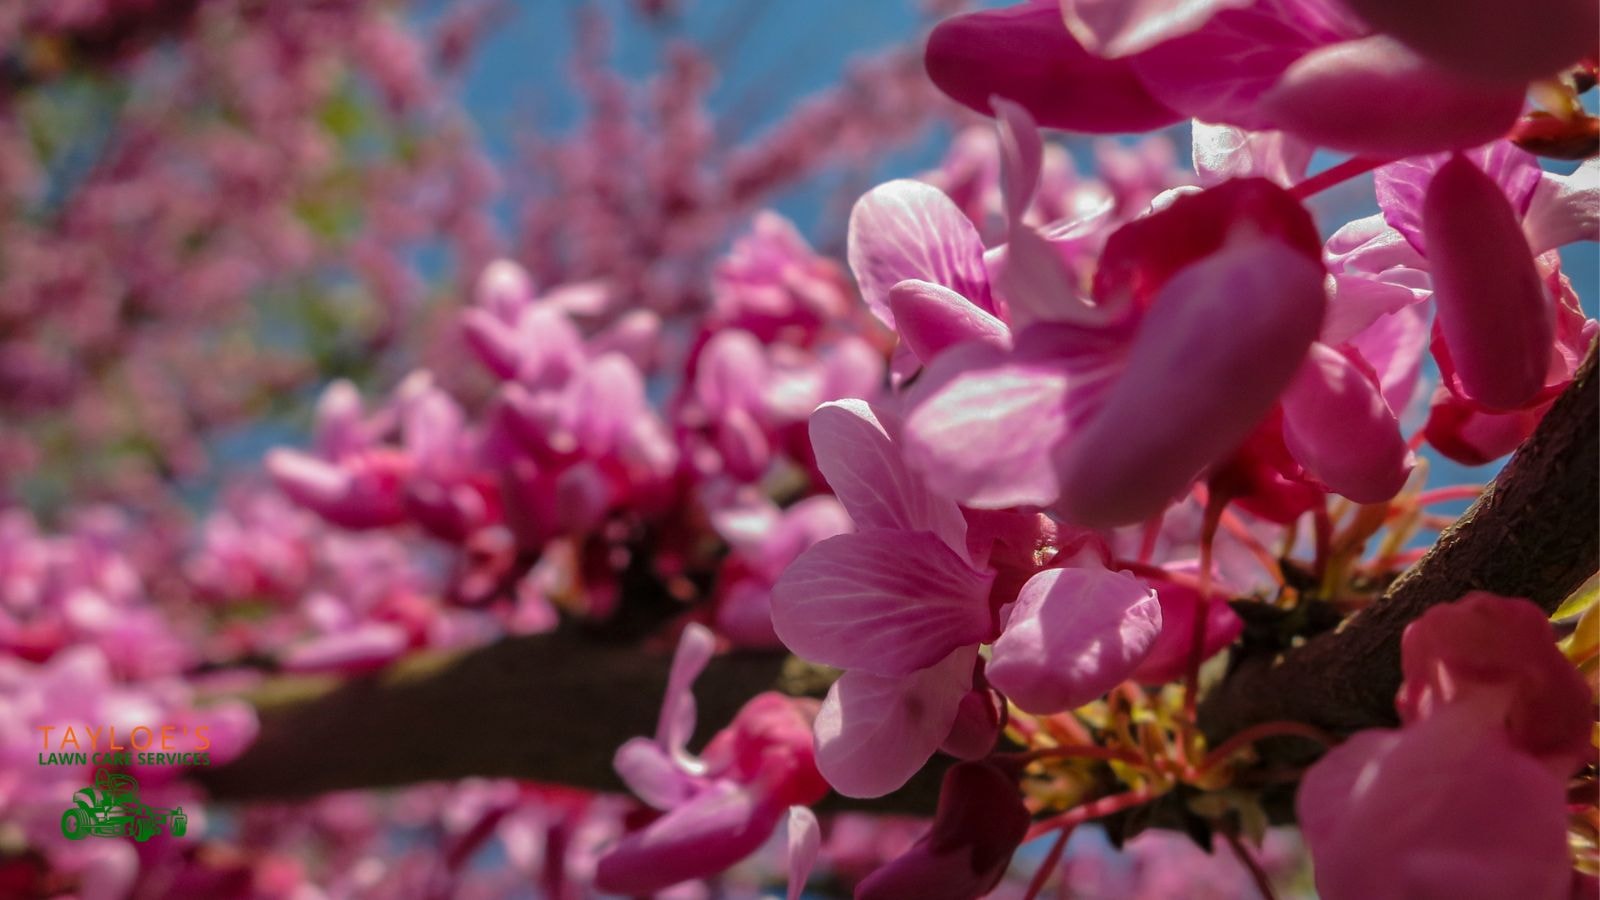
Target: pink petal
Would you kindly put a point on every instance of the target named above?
(874, 733)
(1169, 654)
(976, 727)
(805, 843)
(1463, 815)
(1114, 28)
(1493, 313)
(1498, 655)
(979, 823)
(1401, 186)
(983, 426)
(1035, 283)
(1021, 153)
(887, 602)
(1073, 635)
(1024, 54)
(1375, 97)
(932, 319)
(1219, 71)
(720, 826)
(1465, 432)
(653, 776)
(1193, 391)
(676, 724)
(863, 466)
(1222, 152)
(910, 230)
(1487, 39)
(1338, 426)
(1564, 208)
(1394, 346)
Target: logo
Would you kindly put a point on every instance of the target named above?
(111, 808)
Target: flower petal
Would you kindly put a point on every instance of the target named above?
(1464, 815)
(1192, 391)
(907, 229)
(1025, 54)
(874, 733)
(1493, 313)
(723, 824)
(1114, 28)
(1073, 635)
(1376, 97)
(1337, 425)
(864, 467)
(932, 319)
(1486, 39)
(887, 602)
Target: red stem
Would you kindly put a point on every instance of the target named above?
(1248, 859)
(1051, 860)
(1096, 809)
(1334, 175)
(1260, 732)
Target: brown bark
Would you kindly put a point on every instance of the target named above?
(1534, 533)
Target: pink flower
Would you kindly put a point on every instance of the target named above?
(979, 824)
(1472, 788)
(1291, 65)
(721, 806)
(903, 603)
(1112, 414)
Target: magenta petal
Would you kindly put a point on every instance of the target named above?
(1401, 186)
(1337, 425)
(976, 727)
(1169, 655)
(1489, 39)
(1021, 153)
(1035, 283)
(1219, 71)
(1192, 391)
(888, 602)
(1564, 208)
(1464, 815)
(1073, 635)
(805, 843)
(909, 230)
(1498, 656)
(1376, 97)
(984, 424)
(720, 826)
(675, 725)
(1461, 430)
(863, 466)
(1221, 152)
(652, 775)
(874, 733)
(932, 319)
(1024, 54)
(1114, 28)
(1493, 313)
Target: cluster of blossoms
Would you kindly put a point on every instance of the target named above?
(1065, 398)
(1014, 494)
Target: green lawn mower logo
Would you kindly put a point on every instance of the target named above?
(112, 809)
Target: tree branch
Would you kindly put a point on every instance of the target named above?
(550, 707)
(1534, 533)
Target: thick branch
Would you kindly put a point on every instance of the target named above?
(1535, 533)
(550, 708)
